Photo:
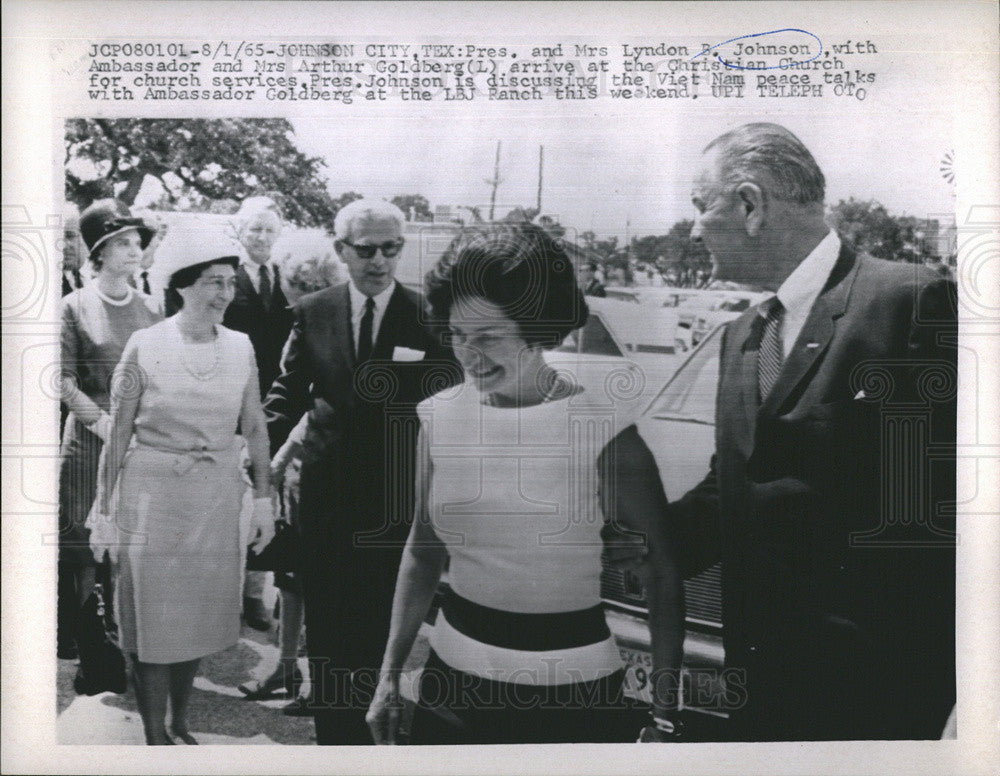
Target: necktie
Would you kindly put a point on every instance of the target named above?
(365, 333)
(770, 355)
(145, 282)
(264, 288)
(77, 279)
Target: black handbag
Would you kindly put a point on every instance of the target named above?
(102, 664)
(281, 554)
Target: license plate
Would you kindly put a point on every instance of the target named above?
(638, 667)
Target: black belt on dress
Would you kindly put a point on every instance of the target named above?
(530, 632)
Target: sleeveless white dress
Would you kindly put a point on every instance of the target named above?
(514, 499)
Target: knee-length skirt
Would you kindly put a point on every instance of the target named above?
(180, 566)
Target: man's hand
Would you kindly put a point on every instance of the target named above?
(102, 427)
(278, 467)
(263, 523)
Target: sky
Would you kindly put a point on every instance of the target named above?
(618, 174)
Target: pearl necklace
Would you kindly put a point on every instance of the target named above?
(558, 388)
(115, 302)
(206, 374)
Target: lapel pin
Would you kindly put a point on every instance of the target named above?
(812, 345)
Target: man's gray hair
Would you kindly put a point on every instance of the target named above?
(252, 207)
(773, 158)
(364, 210)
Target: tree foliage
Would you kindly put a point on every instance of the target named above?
(415, 206)
(606, 250)
(682, 260)
(198, 162)
(870, 228)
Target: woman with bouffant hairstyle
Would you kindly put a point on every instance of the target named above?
(523, 470)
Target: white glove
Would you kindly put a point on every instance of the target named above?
(103, 533)
(102, 426)
(262, 523)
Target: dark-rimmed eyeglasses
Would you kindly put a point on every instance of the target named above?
(389, 249)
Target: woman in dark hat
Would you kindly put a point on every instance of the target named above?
(97, 321)
(168, 506)
(523, 471)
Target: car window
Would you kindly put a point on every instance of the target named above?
(592, 338)
(690, 393)
(735, 305)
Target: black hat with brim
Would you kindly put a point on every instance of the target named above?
(106, 218)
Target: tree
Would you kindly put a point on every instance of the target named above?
(870, 228)
(415, 206)
(475, 214)
(604, 250)
(345, 199)
(520, 214)
(551, 225)
(682, 260)
(197, 162)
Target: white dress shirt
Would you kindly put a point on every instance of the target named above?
(358, 310)
(800, 290)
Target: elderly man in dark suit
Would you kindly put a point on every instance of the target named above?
(359, 360)
(830, 498)
(260, 310)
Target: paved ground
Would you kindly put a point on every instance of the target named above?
(219, 714)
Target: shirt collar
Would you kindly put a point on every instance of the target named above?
(253, 268)
(800, 289)
(358, 299)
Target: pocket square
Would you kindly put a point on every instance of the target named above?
(400, 353)
(860, 395)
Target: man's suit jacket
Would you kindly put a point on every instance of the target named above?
(831, 506)
(361, 417)
(268, 329)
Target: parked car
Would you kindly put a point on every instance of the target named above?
(615, 330)
(679, 427)
(642, 327)
(699, 315)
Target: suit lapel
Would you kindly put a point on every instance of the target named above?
(745, 336)
(817, 332)
(393, 322)
(341, 334)
(245, 290)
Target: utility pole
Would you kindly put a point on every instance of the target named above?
(494, 182)
(541, 160)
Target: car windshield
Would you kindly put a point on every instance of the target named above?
(690, 394)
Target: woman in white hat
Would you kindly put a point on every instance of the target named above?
(96, 322)
(180, 390)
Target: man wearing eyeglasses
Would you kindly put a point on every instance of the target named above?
(362, 349)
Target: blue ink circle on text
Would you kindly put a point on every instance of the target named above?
(759, 35)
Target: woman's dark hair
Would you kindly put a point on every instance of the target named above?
(518, 267)
(183, 278)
